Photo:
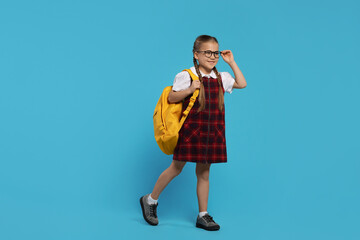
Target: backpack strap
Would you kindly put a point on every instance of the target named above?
(192, 99)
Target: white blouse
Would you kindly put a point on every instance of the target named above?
(182, 80)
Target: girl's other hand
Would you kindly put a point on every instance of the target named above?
(227, 56)
(195, 84)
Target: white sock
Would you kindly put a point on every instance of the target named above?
(150, 200)
(201, 214)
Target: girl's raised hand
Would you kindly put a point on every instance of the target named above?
(227, 56)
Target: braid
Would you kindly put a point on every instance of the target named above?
(202, 89)
(221, 93)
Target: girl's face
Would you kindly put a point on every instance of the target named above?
(206, 64)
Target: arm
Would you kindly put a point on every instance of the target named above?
(228, 57)
(175, 97)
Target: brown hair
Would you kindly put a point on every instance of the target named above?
(199, 40)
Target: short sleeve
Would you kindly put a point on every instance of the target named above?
(228, 81)
(182, 81)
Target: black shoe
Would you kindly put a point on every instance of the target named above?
(206, 222)
(149, 211)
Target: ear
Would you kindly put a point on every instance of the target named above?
(196, 55)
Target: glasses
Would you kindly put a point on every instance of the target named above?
(208, 53)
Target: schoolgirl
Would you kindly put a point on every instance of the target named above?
(202, 136)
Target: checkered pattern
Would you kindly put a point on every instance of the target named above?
(202, 137)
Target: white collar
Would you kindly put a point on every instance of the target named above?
(212, 74)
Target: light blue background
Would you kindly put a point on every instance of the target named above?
(79, 81)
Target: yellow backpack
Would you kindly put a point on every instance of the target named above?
(169, 118)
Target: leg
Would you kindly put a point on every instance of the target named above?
(166, 177)
(206, 221)
(202, 173)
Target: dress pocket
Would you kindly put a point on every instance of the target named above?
(191, 132)
(220, 133)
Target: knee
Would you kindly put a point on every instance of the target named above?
(202, 174)
(176, 169)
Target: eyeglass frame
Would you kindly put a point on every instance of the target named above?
(211, 53)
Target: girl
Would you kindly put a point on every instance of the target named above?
(202, 136)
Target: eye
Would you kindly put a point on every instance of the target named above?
(208, 52)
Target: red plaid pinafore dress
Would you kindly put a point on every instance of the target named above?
(202, 136)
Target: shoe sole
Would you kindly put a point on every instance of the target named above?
(143, 211)
(213, 228)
